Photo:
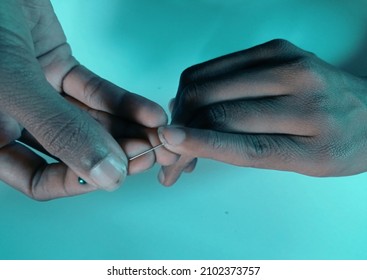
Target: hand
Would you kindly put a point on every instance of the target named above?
(36, 65)
(134, 138)
(273, 106)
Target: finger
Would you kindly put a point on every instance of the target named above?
(272, 115)
(191, 166)
(32, 175)
(168, 175)
(10, 130)
(237, 86)
(252, 73)
(263, 151)
(63, 130)
(124, 131)
(121, 129)
(117, 127)
(133, 147)
(256, 57)
(163, 156)
(244, 59)
(128, 134)
(130, 146)
(102, 95)
(28, 139)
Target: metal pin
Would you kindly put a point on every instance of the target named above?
(82, 182)
(145, 152)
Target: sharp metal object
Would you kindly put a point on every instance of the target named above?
(145, 152)
(82, 182)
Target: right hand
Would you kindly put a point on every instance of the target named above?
(273, 106)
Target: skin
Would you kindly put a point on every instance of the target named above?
(273, 106)
(51, 102)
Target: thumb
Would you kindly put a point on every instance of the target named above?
(65, 131)
(196, 143)
(268, 151)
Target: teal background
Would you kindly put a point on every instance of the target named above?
(219, 211)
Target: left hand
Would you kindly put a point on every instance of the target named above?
(131, 119)
(133, 134)
(273, 106)
(36, 67)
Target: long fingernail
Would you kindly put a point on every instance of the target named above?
(171, 135)
(109, 173)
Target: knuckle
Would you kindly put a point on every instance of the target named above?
(261, 151)
(304, 63)
(215, 142)
(189, 75)
(331, 148)
(316, 105)
(67, 138)
(280, 46)
(38, 196)
(308, 73)
(285, 48)
(326, 153)
(311, 85)
(41, 194)
(215, 116)
(91, 89)
(318, 100)
(191, 93)
(329, 124)
(259, 148)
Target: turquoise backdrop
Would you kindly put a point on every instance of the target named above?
(219, 211)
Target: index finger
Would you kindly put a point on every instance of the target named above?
(244, 74)
(168, 175)
(250, 57)
(32, 175)
(102, 95)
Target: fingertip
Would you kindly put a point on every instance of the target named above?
(133, 147)
(141, 164)
(156, 116)
(161, 176)
(109, 173)
(165, 157)
(171, 135)
(163, 179)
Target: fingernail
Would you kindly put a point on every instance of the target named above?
(161, 176)
(109, 173)
(171, 135)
